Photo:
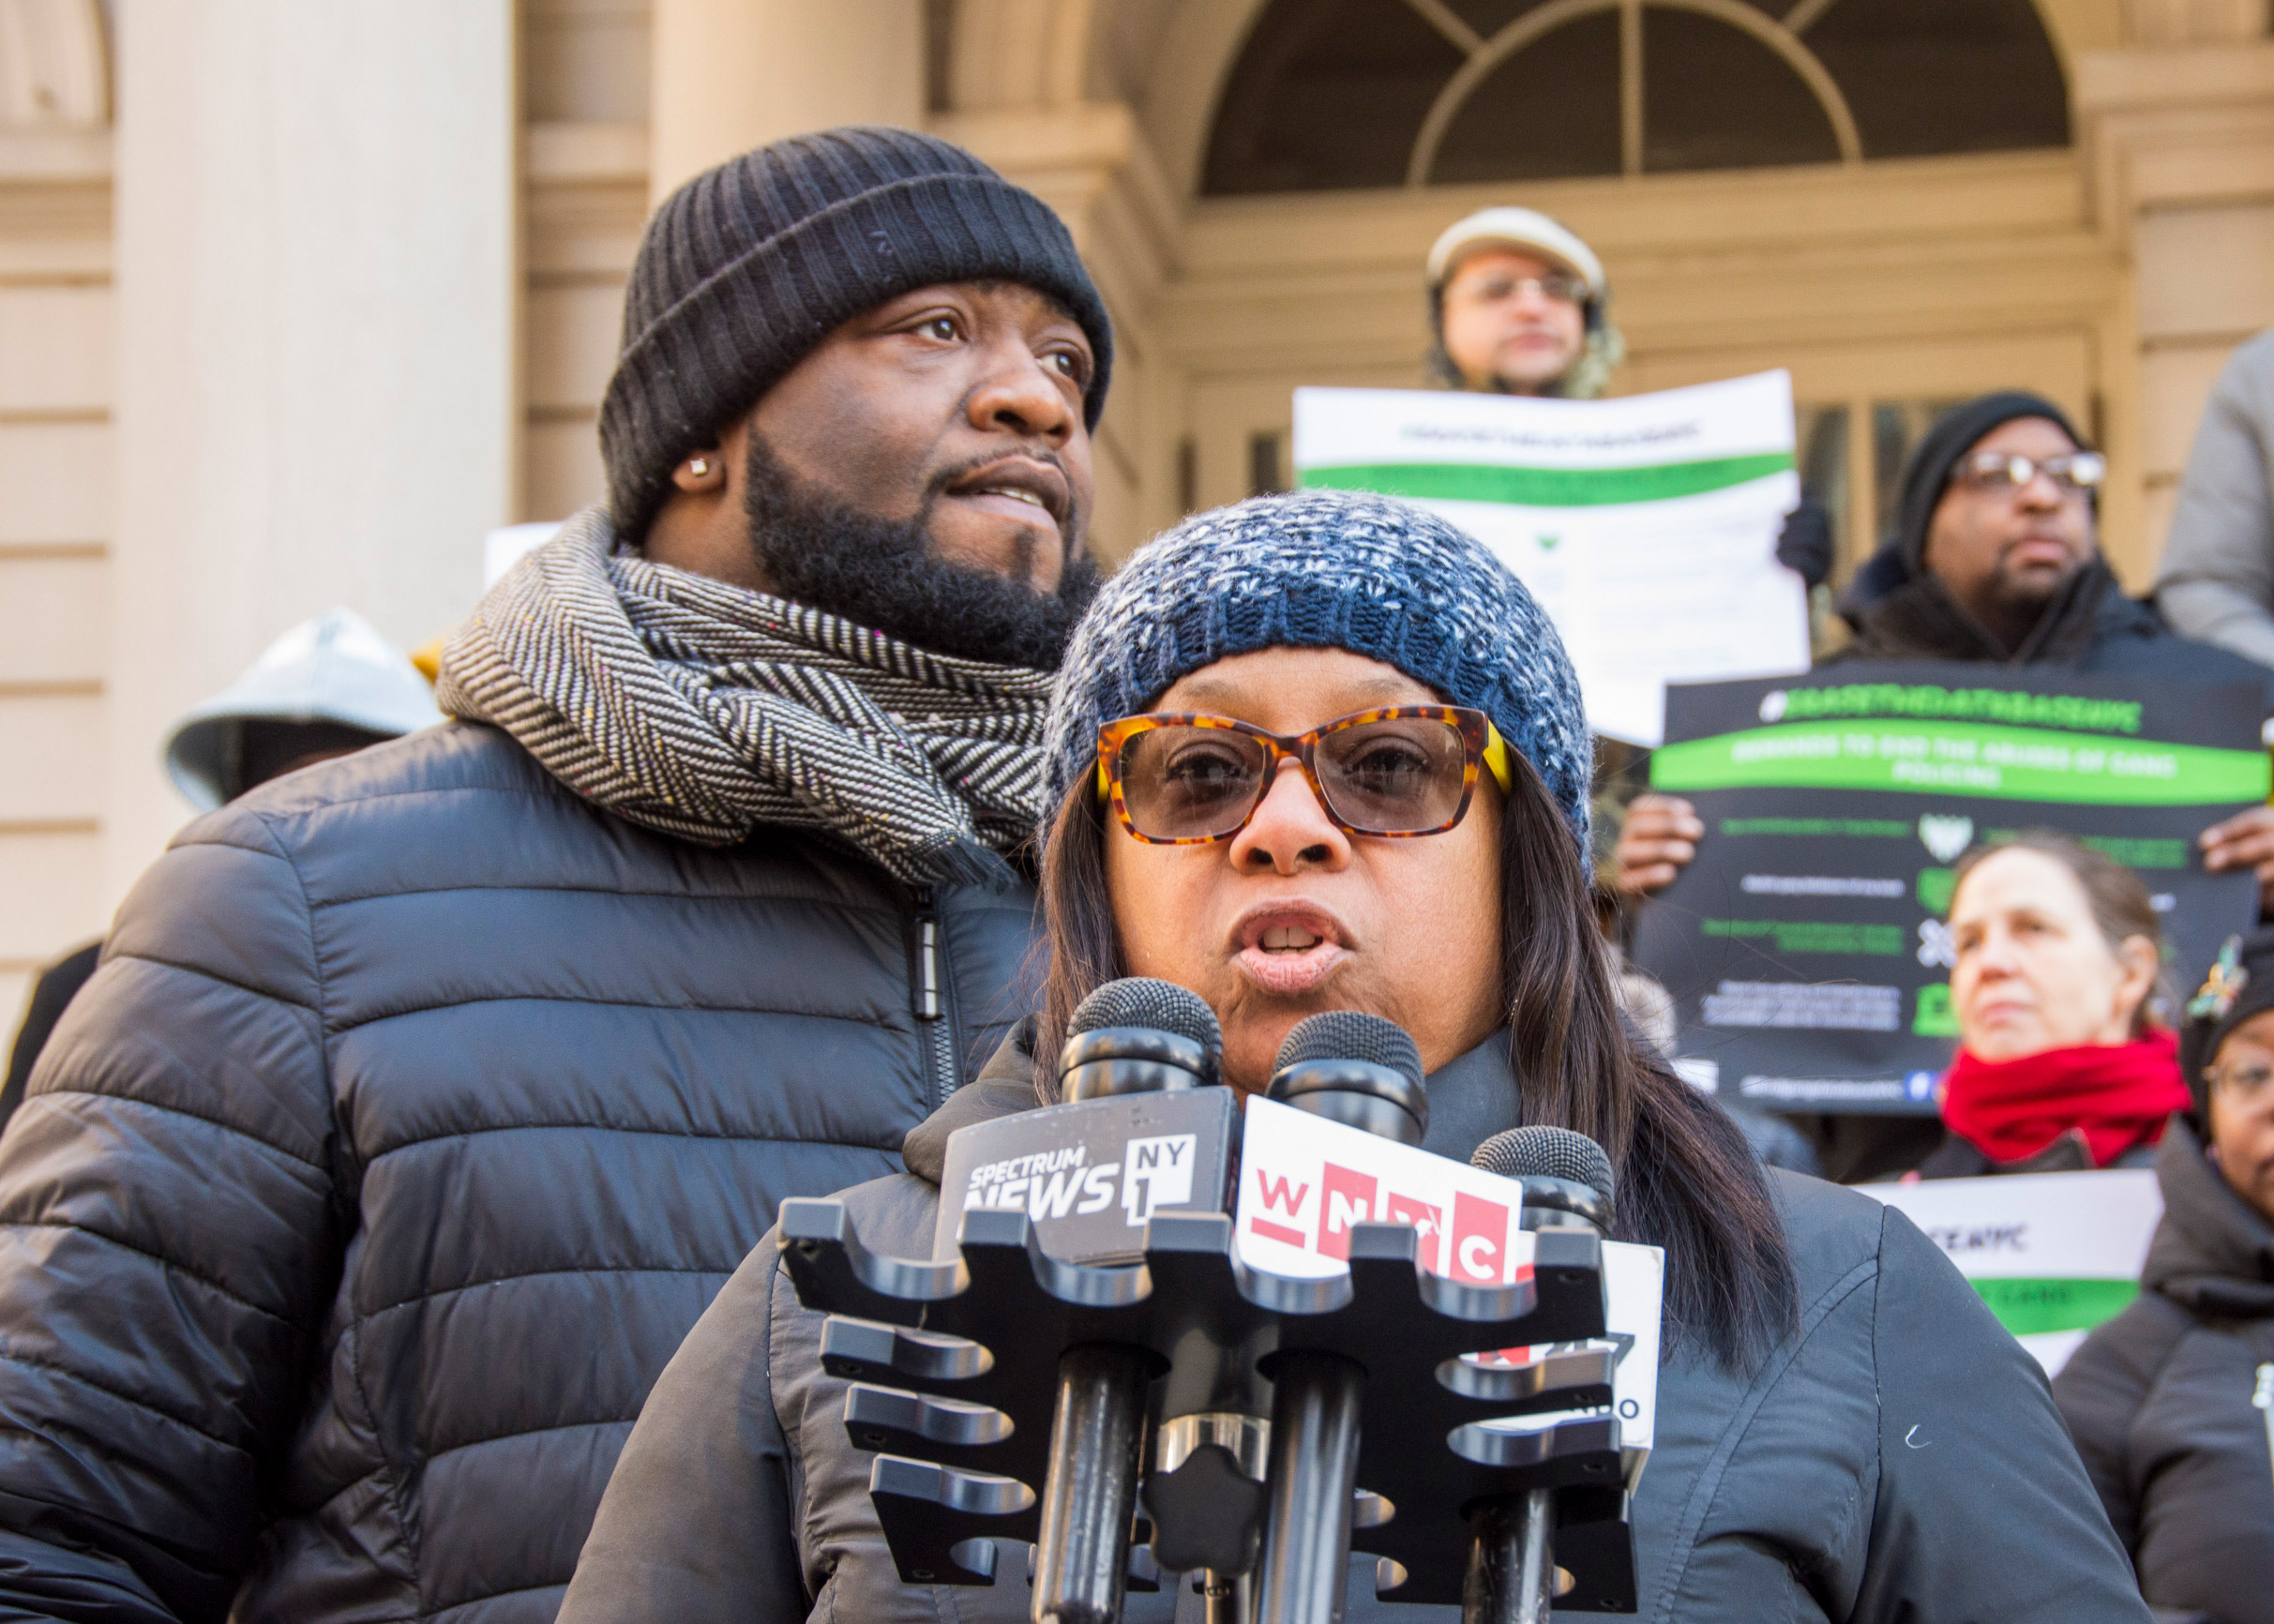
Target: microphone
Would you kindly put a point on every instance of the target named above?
(1356, 1069)
(1137, 1036)
(1363, 1071)
(1565, 1175)
(1568, 1183)
(1132, 1044)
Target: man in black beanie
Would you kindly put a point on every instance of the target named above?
(422, 1101)
(1994, 557)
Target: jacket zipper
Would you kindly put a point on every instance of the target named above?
(934, 1002)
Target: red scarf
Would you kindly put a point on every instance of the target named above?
(2119, 1094)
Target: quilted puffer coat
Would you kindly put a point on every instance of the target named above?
(417, 1111)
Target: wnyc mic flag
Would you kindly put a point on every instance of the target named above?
(1304, 1182)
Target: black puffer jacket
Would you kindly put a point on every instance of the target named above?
(2160, 1400)
(417, 1111)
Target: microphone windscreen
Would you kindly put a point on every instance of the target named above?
(1547, 1153)
(1348, 1034)
(1161, 1006)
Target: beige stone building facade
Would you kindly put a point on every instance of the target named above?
(298, 298)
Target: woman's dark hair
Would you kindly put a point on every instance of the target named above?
(2120, 905)
(1687, 1180)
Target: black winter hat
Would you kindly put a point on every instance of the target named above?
(1927, 474)
(749, 265)
(2240, 985)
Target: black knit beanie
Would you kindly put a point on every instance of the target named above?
(1927, 474)
(749, 265)
(2240, 985)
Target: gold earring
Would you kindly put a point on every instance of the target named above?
(698, 466)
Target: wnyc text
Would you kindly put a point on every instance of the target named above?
(1304, 1182)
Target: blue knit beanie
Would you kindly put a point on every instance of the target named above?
(1324, 569)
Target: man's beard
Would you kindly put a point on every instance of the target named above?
(880, 573)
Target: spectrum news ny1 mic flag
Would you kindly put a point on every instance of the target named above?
(1091, 1175)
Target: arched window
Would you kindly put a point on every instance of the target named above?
(1331, 94)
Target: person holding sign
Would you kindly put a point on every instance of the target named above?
(2160, 1398)
(2060, 1066)
(1518, 304)
(1995, 557)
(1324, 752)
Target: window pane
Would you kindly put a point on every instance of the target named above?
(1896, 427)
(1715, 98)
(1488, 17)
(1327, 93)
(1821, 433)
(1925, 76)
(1550, 110)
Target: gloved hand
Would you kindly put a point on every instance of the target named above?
(1805, 548)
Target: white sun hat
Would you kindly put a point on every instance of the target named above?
(333, 668)
(1526, 229)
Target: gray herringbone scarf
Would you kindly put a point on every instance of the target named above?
(704, 711)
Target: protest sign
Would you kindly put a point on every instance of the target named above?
(1805, 946)
(1646, 526)
(2053, 1254)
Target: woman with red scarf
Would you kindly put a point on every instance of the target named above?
(2060, 1066)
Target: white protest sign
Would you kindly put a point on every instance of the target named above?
(1645, 526)
(2054, 1255)
(1304, 1181)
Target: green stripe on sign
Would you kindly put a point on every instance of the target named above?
(1963, 758)
(2033, 1307)
(1545, 487)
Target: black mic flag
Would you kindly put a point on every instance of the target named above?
(1140, 1133)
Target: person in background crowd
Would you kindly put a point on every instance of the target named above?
(1518, 304)
(1811, 1330)
(2217, 578)
(2061, 1065)
(1994, 557)
(2160, 1398)
(326, 688)
(423, 1098)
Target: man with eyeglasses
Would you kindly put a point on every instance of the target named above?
(1994, 557)
(1520, 306)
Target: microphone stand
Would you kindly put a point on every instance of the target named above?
(1313, 1473)
(1512, 1566)
(1090, 1497)
(1316, 1397)
(1512, 1573)
(1098, 1429)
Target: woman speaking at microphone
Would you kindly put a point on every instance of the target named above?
(1323, 752)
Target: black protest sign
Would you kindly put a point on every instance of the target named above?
(1805, 946)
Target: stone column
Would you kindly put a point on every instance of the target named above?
(734, 74)
(315, 244)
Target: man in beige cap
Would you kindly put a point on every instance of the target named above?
(1520, 307)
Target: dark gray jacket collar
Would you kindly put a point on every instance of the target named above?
(1471, 1098)
(1919, 619)
(2213, 1251)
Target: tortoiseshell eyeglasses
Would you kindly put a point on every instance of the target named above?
(1181, 779)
